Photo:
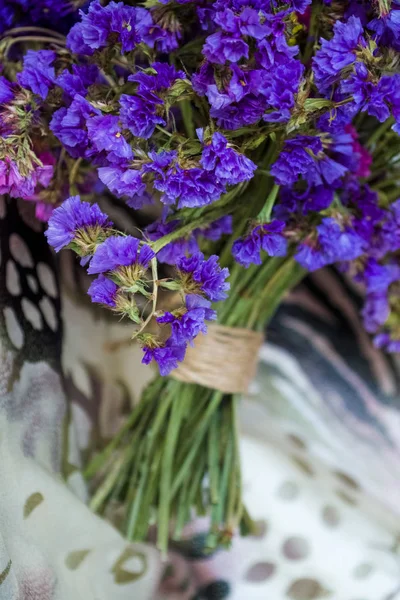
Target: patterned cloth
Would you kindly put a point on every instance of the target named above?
(320, 448)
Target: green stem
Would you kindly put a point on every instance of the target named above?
(286, 279)
(379, 131)
(213, 458)
(312, 32)
(264, 216)
(166, 474)
(107, 485)
(196, 441)
(187, 117)
(279, 281)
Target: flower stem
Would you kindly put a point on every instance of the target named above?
(264, 216)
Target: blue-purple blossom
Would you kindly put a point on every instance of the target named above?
(104, 132)
(268, 237)
(166, 356)
(159, 78)
(296, 158)
(69, 126)
(38, 74)
(142, 112)
(220, 48)
(294, 201)
(124, 182)
(139, 115)
(103, 291)
(303, 156)
(337, 53)
(205, 276)
(375, 312)
(387, 342)
(176, 249)
(191, 187)
(387, 28)
(246, 251)
(71, 217)
(7, 14)
(378, 277)
(22, 184)
(117, 251)
(102, 23)
(77, 81)
(246, 112)
(229, 167)
(237, 84)
(187, 323)
(215, 230)
(311, 256)
(6, 91)
(340, 243)
(335, 243)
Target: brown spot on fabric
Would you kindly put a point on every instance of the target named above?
(307, 589)
(363, 570)
(296, 548)
(347, 480)
(289, 490)
(74, 559)
(3, 574)
(303, 465)
(260, 529)
(346, 498)
(32, 502)
(124, 575)
(297, 441)
(330, 516)
(260, 571)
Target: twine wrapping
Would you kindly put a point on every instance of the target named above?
(225, 359)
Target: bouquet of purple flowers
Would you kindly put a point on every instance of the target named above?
(266, 135)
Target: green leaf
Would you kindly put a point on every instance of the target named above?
(173, 285)
(313, 104)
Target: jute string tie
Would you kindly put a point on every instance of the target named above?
(224, 359)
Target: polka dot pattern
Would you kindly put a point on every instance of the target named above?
(29, 303)
(330, 516)
(289, 490)
(296, 548)
(260, 571)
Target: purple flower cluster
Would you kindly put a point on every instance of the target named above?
(38, 73)
(233, 117)
(304, 157)
(251, 72)
(205, 277)
(117, 23)
(186, 324)
(17, 13)
(268, 237)
(185, 185)
(23, 184)
(114, 23)
(189, 244)
(143, 111)
(121, 264)
(202, 281)
(117, 251)
(345, 68)
(80, 224)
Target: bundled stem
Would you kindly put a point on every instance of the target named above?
(178, 454)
